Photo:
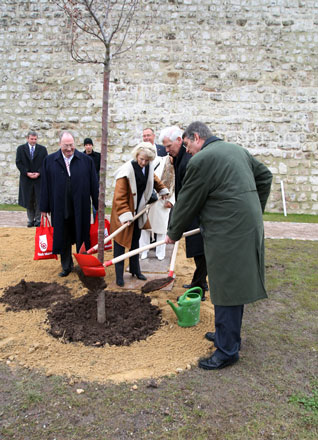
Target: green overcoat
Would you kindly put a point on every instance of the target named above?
(227, 188)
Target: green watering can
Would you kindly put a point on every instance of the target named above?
(188, 312)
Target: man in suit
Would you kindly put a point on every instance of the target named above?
(171, 137)
(69, 182)
(29, 158)
(228, 189)
(148, 135)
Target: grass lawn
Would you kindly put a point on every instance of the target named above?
(271, 393)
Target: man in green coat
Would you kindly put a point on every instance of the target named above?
(227, 188)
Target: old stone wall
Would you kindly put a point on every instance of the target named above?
(247, 68)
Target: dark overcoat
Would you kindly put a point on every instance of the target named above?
(27, 165)
(84, 187)
(194, 244)
(228, 188)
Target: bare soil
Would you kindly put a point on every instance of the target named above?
(52, 326)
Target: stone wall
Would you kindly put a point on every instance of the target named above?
(246, 68)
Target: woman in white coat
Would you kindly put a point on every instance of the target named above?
(159, 212)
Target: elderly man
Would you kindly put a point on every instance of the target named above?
(29, 160)
(228, 189)
(69, 181)
(171, 137)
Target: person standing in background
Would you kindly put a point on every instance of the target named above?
(29, 159)
(148, 135)
(88, 145)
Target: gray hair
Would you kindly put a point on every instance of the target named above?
(147, 148)
(171, 133)
(32, 133)
(197, 127)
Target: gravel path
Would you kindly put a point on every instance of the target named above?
(295, 231)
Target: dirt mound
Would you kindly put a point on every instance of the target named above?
(34, 295)
(129, 317)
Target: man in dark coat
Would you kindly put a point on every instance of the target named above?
(148, 135)
(69, 182)
(228, 188)
(29, 159)
(171, 137)
(88, 145)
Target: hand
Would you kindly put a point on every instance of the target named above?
(168, 240)
(44, 214)
(168, 204)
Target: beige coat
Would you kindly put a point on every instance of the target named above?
(125, 201)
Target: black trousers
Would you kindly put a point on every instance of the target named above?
(33, 210)
(228, 323)
(134, 266)
(200, 273)
(68, 240)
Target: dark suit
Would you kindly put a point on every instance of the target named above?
(161, 151)
(68, 199)
(29, 189)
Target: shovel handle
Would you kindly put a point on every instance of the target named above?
(145, 248)
(173, 258)
(121, 228)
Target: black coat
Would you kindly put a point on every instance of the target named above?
(96, 159)
(27, 165)
(194, 244)
(84, 186)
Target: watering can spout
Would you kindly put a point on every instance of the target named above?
(177, 310)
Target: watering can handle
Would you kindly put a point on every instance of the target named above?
(145, 248)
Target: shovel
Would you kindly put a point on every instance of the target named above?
(111, 236)
(92, 267)
(160, 283)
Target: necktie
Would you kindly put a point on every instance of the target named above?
(32, 152)
(67, 166)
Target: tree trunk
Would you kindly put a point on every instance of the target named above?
(101, 313)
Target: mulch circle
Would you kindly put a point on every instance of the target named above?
(129, 317)
(34, 295)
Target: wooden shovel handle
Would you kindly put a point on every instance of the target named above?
(121, 228)
(173, 258)
(145, 248)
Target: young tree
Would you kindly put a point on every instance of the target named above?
(116, 25)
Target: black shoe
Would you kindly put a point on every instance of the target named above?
(187, 286)
(210, 336)
(120, 283)
(214, 363)
(140, 276)
(65, 273)
(30, 225)
(37, 224)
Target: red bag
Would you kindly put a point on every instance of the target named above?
(93, 233)
(44, 241)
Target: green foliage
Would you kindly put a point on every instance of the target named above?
(309, 402)
(293, 218)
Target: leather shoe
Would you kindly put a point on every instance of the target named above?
(140, 276)
(120, 283)
(65, 273)
(210, 336)
(189, 286)
(30, 225)
(214, 363)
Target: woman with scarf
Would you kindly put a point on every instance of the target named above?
(135, 181)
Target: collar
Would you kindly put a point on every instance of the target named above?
(210, 140)
(67, 158)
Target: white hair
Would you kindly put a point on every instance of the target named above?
(147, 148)
(171, 133)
